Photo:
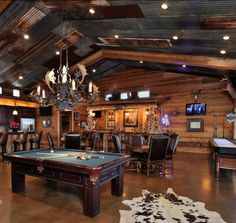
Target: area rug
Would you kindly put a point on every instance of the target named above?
(167, 208)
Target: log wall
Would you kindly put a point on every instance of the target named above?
(181, 89)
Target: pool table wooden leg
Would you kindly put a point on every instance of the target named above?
(91, 200)
(117, 183)
(17, 180)
(217, 170)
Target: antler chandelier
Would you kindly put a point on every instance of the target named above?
(63, 89)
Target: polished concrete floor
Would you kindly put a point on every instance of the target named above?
(193, 177)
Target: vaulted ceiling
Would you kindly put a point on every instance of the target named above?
(145, 34)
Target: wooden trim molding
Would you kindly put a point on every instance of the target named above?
(13, 102)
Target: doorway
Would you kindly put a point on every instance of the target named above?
(65, 122)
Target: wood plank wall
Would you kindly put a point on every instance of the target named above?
(180, 88)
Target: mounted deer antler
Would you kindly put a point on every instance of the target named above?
(229, 86)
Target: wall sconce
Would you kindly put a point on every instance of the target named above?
(195, 95)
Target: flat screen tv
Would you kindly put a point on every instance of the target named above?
(98, 114)
(45, 111)
(196, 109)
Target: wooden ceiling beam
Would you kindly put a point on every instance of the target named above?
(189, 60)
(88, 60)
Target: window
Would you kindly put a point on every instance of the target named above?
(125, 95)
(0, 90)
(108, 96)
(16, 93)
(144, 94)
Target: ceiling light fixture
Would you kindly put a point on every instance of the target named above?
(20, 77)
(183, 65)
(57, 52)
(140, 61)
(225, 37)
(223, 51)
(175, 37)
(116, 36)
(26, 36)
(94, 70)
(92, 11)
(164, 6)
(63, 89)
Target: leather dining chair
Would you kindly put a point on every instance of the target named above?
(3, 144)
(156, 154)
(136, 140)
(72, 141)
(173, 143)
(36, 140)
(50, 141)
(95, 141)
(117, 143)
(19, 142)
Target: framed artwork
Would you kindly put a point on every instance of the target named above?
(83, 124)
(131, 118)
(76, 116)
(195, 125)
(47, 123)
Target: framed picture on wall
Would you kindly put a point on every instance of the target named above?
(195, 125)
(131, 118)
(47, 123)
(76, 116)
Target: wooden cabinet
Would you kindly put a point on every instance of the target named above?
(110, 119)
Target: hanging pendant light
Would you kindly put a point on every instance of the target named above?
(15, 112)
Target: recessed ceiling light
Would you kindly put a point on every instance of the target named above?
(20, 77)
(140, 61)
(116, 36)
(225, 37)
(57, 52)
(175, 37)
(94, 70)
(223, 51)
(164, 6)
(26, 36)
(92, 11)
(183, 65)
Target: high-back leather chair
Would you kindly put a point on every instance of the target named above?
(36, 140)
(19, 142)
(157, 153)
(173, 143)
(117, 143)
(72, 141)
(136, 140)
(50, 141)
(3, 144)
(95, 140)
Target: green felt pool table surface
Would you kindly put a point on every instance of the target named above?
(70, 156)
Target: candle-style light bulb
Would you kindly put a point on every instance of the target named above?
(90, 87)
(73, 85)
(43, 94)
(38, 90)
(64, 74)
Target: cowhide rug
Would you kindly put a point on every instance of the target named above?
(168, 208)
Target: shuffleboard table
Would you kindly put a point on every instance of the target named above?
(88, 170)
(224, 154)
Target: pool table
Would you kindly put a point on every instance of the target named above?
(224, 154)
(71, 167)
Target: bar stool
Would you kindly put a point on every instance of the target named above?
(22, 141)
(3, 144)
(36, 140)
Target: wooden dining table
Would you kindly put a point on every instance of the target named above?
(137, 149)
